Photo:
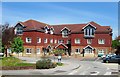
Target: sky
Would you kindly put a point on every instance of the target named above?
(103, 13)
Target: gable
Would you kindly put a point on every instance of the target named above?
(89, 26)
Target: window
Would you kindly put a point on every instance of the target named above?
(51, 40)
(55, 41)
(77, 41)
(65, 33)
(45, 40)
(38, 40)
(19, 30)
(77, 51)
(60, 41)
(101, 41)
(38, 50)
(28, 40)
(68, 42)
(89, 41)
(89, 32)
(51, 30)
(101, 51)
(28, 51)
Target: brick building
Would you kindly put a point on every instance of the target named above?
(41, 38)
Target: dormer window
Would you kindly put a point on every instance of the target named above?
(65, 32)
(51, 30)
(89, 31)
(19, 29)
(46, 29)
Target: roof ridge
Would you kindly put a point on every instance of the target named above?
(35, 21)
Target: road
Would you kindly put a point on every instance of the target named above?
(88, 66)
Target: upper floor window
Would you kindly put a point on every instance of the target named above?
(46, 29)
(77, 41)
(55, 41)
(89, 30)
(51, 30)
(65, 32)
(89, 41)
(60, 41)
(18, 29)
(51, 40)
(101, 41)
(45, 40)
(38, 40)
(28, 40)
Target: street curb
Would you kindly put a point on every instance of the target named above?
(76, 67)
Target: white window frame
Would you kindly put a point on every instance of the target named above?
(37, 50)
(89, 32)
(78, 50)
(29, 51)
(101, 41)
(55, 41)
(29, 40)
(65, 34)
(60, 41)
(101, 51)
(76, 41)
(17, 30)
(51, 40)
(45, 40)
(39, 40)
(89, 41)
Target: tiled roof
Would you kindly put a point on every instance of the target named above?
(33, 25)
(75, 28)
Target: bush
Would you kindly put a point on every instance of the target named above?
(60, 64)
(58, 52)
(45, 64)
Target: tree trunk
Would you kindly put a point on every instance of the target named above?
(5, 52)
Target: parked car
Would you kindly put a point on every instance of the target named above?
(112, 58)
(108, 55)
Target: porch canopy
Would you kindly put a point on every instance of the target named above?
(61, 46)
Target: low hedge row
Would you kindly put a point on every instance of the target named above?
(17, 67)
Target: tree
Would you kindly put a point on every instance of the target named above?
(115, 44)
(7, 37)
(17, 45)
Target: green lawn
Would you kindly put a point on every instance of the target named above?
(12, 61)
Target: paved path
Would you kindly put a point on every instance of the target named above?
(73, 66)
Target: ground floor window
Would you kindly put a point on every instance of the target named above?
(101, 51)
(38, 50)
(28, 51)
(77, 50)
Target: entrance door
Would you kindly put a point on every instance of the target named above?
(88, 51)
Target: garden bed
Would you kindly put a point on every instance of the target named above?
(17, 67)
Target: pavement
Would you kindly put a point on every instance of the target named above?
(68, 65)
(72, 66)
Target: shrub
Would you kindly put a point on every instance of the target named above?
(60, 64)
(58, 52)
(45, 64)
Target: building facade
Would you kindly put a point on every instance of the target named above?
(40, 38)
